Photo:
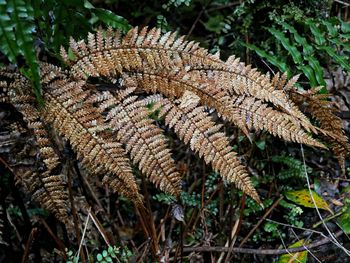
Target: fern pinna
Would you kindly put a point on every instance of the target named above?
(109, 128)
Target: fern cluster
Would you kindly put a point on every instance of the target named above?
(324, 43)
(110, 128)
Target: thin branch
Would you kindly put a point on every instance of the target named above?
(99, 227)
(258, 251)
(58, 241)
(30, 240)
(260, 221)
(296, 227)
(83, 236)
(195, 22)
(308, 250)
(341, 2)
(75, 214)
(333, 238)
(285, 247)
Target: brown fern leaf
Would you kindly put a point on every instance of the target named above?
(4, 92)
(196, 128)
(245, 112)
(108, 54)
(46, 187)
(258, 115)
(128, 117)
(331, 125)
(175, 84)
(239, 79)
(82, 124)
(19, 148)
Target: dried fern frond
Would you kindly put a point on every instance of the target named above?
(196, 128)
(331, 125)
(75, 118)
(128, 118)
(259, 116)
(103, 127)
(4, 92)
(244, 111)
(239, 79)
(48, 186)
(108, 54)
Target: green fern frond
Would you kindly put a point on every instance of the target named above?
(16, 38)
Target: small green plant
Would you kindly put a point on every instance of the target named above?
(111, 254)
(164, 198)
(294, 167)
(292, 216)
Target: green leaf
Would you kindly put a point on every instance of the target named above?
(293, 51)
(104, 253)
(344, 220)
(282, 66)
(341, 43)
(108, 17)
(215, 24)
(345, 27)
(294, 257)
(261, 144)
(332, 31)
(319, 38)
(315, 65)
(307, 48)
(99, 257)
(110, 249)
(295, 167)
(303, 197)
(88, 5)
(340, 59)
(309, 73)
(17, 26)
(112, 20)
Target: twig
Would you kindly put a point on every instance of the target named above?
(258, 251)
(285, 247)
(260, 221)
(341, 2)
(235, 229)
(146, 213)
(327, 219)
(140, 259)
(74, 213)
(233, 241)
(333, 238)
(28, 244)
(83, 236)
(58, 241)
(99, 227)
(87, 184)
(217, 188)
(195, 22)
(18, 235)
(309, 251)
